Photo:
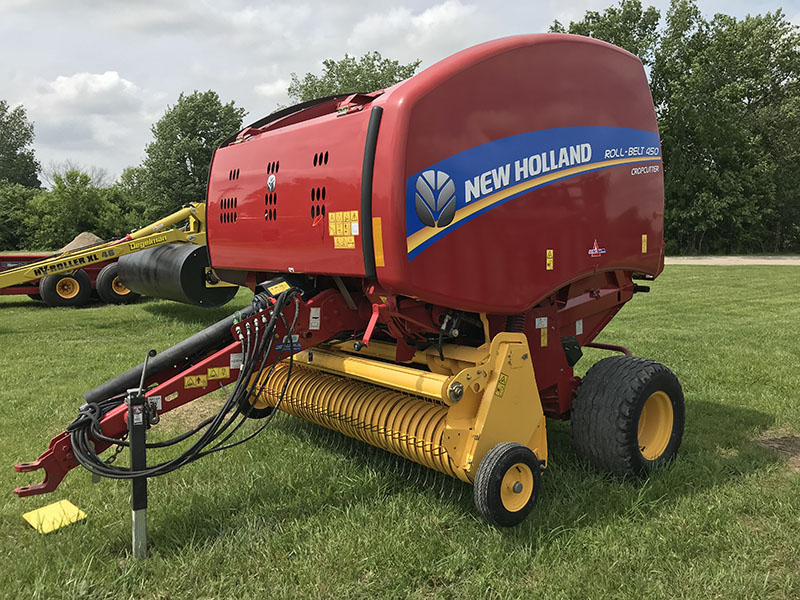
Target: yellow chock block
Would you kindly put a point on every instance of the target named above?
(51, 517)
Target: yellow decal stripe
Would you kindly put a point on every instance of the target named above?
(423, 235)
(377, 241)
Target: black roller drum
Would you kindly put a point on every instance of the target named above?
(173, 272)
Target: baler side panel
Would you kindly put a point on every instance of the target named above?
(310, 221)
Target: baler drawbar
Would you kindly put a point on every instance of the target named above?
(427, 262)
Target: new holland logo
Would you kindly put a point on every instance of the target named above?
(435, 198)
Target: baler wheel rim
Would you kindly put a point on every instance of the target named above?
(516, 487)
(655, 425)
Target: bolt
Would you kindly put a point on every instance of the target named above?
(469, 377)
(524, 357)
(517, 487)
(455, 392)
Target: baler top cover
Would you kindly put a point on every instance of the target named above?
(484, 183)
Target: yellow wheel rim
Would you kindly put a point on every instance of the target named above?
(119, 288)
(517, 487)
(655, 425)
(67, 288)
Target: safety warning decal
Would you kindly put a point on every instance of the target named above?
(195, 381)
(343, 227)
(278, 288)
(218, 373)
(500, 389)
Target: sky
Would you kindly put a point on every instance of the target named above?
(94, 75)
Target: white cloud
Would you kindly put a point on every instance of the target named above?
(93, 93)
(101, 73)
(88, 113)
(274, 90)
(402, 33)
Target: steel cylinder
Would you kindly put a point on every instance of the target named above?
(406, 425)
(173, 272)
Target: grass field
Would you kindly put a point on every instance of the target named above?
(298, 514)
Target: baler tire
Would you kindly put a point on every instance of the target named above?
(608, 428)
(504, 466)
(66, 289)
(110, 289)
(252, 412)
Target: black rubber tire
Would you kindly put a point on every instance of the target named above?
(607, 408)
(254, 413)
(105, 286)
(49, 289)
(487, 489)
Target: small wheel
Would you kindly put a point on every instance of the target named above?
(255, 410)
(111, 289)
(66, 289)
(507, 484)
(628, 416)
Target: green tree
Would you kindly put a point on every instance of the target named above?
(627, 25)
(369, 73)
(727, 96)
(14, 199)
(72, 205)
(17, 161)
(179, 157)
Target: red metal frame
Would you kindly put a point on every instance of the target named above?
(59, 459)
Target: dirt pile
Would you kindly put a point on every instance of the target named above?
(82, 240)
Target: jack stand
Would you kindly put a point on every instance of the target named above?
(137, 431)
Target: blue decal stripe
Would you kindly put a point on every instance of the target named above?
(419, 241)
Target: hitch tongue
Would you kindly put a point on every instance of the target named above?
(56, 461)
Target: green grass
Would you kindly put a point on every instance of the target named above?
(298, 513)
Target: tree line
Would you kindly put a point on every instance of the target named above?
(726, 93)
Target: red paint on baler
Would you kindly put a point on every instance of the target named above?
(494, 263)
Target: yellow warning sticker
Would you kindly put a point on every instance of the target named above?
(51, 517)
(345, 242)
(548, 263)
(544, 337)
(278, 288)
(218, 373)
(644, 243)
(195, 381)
(500, 389)
(342, 227)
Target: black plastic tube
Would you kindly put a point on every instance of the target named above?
(209, 339)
